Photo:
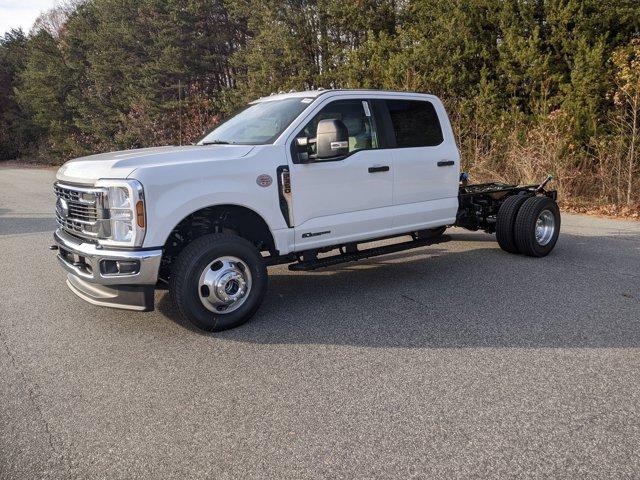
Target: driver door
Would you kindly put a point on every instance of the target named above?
(345, 200)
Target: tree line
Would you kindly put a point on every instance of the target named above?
(532, 86)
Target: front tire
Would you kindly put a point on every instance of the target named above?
(218, 282)
(537, 226)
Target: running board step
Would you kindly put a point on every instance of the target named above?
(368, 253)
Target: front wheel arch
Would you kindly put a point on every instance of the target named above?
(226, 218)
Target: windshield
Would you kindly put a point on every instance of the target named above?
(258, 124)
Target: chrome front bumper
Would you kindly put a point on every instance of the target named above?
(87, 278)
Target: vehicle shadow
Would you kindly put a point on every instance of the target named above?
(21, 225)
(585, 294)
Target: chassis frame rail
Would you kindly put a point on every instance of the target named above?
(479, 203)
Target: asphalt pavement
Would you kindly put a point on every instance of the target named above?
(451, 361)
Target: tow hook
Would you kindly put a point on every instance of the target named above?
(53, 247)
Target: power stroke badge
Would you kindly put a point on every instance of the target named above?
(264, 180)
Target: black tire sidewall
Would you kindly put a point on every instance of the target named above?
(191, 263)
(505, 225)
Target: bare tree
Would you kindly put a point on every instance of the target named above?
(54, 19)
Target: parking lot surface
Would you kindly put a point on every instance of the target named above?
(456, 360)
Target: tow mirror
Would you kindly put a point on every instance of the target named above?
(331, 142)
(302, 145)
(332, 139)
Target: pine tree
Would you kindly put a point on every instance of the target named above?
(15, 124)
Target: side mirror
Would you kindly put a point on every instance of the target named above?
(301, 150)
(332, 139)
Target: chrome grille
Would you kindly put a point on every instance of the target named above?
(73, 226)
(79, 210)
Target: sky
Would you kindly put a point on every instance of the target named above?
(21, 13)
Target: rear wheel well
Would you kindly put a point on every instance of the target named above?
(232, 219)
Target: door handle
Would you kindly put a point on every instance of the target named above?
(384, 168)
(446, 163)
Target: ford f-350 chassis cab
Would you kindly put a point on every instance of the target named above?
(301, 178)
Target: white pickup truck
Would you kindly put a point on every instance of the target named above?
(300, 178)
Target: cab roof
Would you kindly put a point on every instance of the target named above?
(316, 93)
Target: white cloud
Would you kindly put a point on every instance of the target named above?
(16, 14)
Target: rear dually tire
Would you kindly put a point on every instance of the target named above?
(505, 224)
(537, 226)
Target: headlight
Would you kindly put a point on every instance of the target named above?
(123, 204)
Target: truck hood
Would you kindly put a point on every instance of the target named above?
(122, 164)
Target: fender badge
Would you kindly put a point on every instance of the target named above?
(315, 234)
(264, 180)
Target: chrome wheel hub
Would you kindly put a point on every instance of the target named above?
(224, 285)
(545, 227)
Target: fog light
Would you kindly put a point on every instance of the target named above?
(119, 267)
(128, 266)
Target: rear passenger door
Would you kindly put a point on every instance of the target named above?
(426, 163)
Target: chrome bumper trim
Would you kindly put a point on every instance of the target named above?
(83, 260)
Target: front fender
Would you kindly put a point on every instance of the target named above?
(174, 192)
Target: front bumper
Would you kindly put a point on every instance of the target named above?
(89, 278)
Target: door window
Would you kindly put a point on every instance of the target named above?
(415, 123)
(356, 116)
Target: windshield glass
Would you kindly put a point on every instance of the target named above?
(258, 124)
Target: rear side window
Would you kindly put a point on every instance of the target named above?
(415, 123)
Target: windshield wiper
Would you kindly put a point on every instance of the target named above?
(217, 142)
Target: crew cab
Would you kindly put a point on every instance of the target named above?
(299, 178)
